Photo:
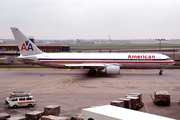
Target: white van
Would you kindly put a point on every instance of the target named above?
(20, 98)
(20, 101)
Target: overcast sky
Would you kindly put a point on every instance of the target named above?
(91, 19)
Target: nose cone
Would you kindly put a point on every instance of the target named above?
(173, 62)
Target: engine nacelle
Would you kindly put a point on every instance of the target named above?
(112, 70)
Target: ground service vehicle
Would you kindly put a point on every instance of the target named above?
(18, 99)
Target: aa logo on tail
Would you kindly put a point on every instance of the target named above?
(26, 46)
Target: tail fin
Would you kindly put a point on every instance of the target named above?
(26, 47)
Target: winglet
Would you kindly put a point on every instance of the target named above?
(26, 47)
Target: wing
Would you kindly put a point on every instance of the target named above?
(87, 65)
(3, 58)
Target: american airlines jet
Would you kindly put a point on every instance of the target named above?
(110, 63)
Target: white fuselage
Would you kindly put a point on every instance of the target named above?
(110, 63)
(124, 60)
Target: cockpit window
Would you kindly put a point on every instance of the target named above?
(168, 58)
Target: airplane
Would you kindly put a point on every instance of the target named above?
(3, 58)
(110, 63)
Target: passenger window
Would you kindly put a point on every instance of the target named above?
(28, 98)
(15, 99)
(21, 99)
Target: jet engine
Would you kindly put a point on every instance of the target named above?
(112, 70)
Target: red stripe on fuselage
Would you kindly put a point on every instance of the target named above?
(106, 61)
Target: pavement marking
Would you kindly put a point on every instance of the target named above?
(133, 70)
(68, 69)
(41, 83)
(56, 86)
(146, 108)
(3, 69)
(30, 85)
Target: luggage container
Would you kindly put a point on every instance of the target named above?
(34, 115)
(138, 100)
(17, 118)
(117, 103)
(127, 102)
(139, 95)
(4, 116)
(161, 98)
(52, 110)
(134, 101)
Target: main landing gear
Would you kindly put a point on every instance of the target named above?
(160, 72)
(92, 72)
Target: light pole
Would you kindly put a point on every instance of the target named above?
(160, 43)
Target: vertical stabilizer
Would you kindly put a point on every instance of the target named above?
(26, 47)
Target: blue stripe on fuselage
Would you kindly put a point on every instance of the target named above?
(69, 59)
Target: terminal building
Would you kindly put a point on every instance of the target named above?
(44, 48)
(12, 51)
(9, 49)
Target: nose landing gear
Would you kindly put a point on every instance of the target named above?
(160, 72)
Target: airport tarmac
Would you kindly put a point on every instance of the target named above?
(73, 90)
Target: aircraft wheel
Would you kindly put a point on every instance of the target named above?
(89, 74)
(160, 72)
(92, 72)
